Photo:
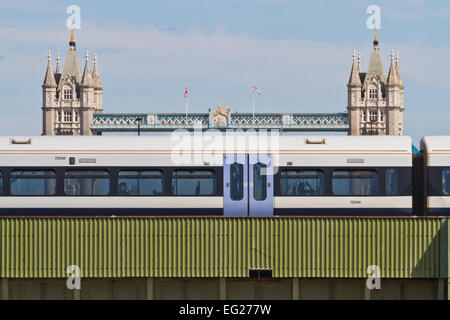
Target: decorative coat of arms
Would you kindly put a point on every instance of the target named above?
(220, 117)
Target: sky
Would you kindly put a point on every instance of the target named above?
(299, 53)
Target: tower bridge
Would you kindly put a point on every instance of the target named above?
(219, 119)
(73, 105)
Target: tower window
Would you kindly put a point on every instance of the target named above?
(67, 94)
(67, 116)
(381, 116)
(76, 116)
(58, 115)
(373, 94)
(364, 115)
(373, 116)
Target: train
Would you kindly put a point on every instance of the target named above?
(237, 174)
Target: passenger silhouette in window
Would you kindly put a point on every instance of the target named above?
(446, 182)
(236, 181)
(197, 188)
(161, 189)
(301, 189)
(123, 189)
(310, 189)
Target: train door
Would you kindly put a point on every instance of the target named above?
(248, 185)
(235, 191)
(260, 170)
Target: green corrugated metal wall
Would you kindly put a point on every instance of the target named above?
(223, 247)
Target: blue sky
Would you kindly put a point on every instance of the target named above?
(297, 52)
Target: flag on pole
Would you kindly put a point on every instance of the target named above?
(256, 90)
(186, 103)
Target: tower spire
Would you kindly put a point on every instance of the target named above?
(87, 77)
(49, 80)
(72, 38)
(354, 80)
(58, 66)
(397, 69)
(359, 61)
(95, 74)
(375, 41)
(392, 75)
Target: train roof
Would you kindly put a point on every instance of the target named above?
(435, 144)
(214, 142)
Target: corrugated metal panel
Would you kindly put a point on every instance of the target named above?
(222, 247)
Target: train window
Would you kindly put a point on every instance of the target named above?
(140, 183)
(193, 182)
(236, 181)
(1, 183)
(33, 182)
(355, 182)
(391, 182)
(446, 181)
(259, 182)
(86, 182)
(302, 182)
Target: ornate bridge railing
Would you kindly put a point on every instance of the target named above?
(221, 120)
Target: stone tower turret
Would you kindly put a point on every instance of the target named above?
(70, 98)
(98, 88)
(375, 100)
(48, 98)
(87, 104)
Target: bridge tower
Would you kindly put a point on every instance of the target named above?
(375, 99)
(70, 98)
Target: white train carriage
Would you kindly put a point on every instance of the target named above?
(206, 174)
(436, 174)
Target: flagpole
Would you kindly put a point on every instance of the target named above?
(253, 106)
(186, 104)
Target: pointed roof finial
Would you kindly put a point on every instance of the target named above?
(72, 38)
(58, 67)
(49, 80)
(354, 80)
(375, 42)
(392, 78)
(95, 74)
(87, 77)
(397, 68)
(359, 61)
